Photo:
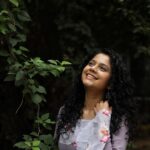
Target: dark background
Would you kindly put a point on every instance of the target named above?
(69, 29)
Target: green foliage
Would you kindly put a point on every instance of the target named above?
(23, 71)
(36, 140)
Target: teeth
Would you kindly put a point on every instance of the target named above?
(91, 76)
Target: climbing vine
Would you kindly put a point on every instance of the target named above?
(23, 71)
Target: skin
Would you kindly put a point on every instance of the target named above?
(95, 78)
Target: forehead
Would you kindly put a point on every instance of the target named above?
(102, 58)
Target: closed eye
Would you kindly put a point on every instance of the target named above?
(91, 63)
(102, 68)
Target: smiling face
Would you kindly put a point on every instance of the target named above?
(97, 72)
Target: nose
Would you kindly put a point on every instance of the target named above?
(93, 68)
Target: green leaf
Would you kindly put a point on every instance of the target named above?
(60, 68)
(45, 116)
(41, 89)
(20, 75)
(3, 29)
(33, 88)
(48, 139)
(35, 143)
(35, 148)
(24, 16)
(39, 120)
(65, 63)
(14, 2)
(34, 134)
(21, 145)
(36, 98)
(13, 41)
(53, 61)
(12, 27)
(28, 143)
(49, 121)
(44, 146)
(55, 72)
(21, 37)
(27, 137)
(23, 48)
(3, 12)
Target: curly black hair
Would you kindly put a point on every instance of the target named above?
(119, 97)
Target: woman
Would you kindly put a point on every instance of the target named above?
(99, 113)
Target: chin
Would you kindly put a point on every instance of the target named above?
(87, 83)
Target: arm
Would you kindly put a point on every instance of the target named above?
(120, 138)
(102, 130)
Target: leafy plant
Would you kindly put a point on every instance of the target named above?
(23, 70)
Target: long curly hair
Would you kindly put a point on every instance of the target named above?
(119, 97)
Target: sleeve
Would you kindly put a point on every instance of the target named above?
(119, 139)
(103, 120)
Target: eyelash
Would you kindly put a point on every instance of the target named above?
(101, 67)
(90, 64)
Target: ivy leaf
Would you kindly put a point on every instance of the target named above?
(36, 98)
(15, 2)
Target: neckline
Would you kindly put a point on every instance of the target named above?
(87, 120)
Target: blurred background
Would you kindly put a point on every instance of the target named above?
(69, 30)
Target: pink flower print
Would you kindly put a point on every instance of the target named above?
(106, 112)
(74, 144)
(104, 133)
(104, 139)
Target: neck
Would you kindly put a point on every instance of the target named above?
(91, 99)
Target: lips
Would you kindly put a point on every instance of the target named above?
(91, 76)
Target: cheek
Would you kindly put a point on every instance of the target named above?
(83, 74)
(105, 79)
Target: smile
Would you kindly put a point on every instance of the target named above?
(90, 76)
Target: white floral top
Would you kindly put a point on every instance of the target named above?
(88, 134)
